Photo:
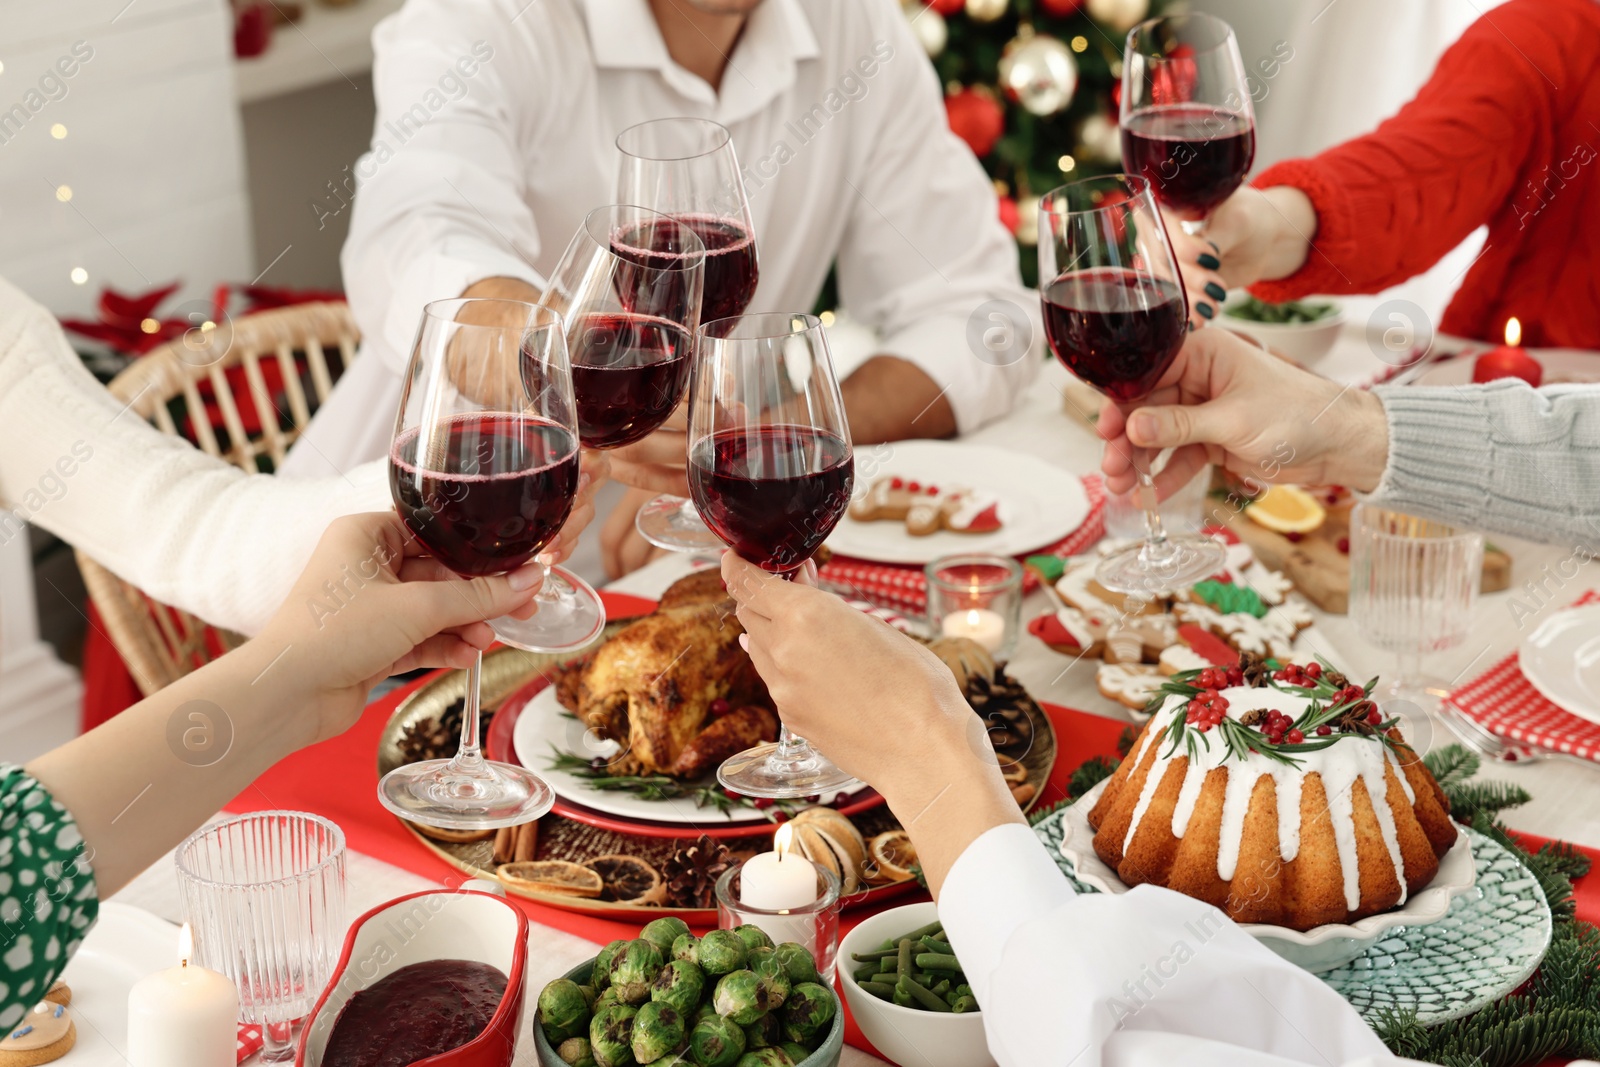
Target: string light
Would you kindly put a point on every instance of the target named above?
(63, 193)
(1066, 163)
(1080, 43)
(58, 131)
(79, 275)
(149, 326)
(827, 318)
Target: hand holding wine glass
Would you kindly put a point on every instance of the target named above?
(1115, 316)
(770, 469)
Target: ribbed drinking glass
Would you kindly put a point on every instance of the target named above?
(264, 896)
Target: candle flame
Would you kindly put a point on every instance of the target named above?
(1513, 332)
(185, 944)
(783, 841)
(972, 618)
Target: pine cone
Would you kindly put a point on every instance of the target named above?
(428, 739)
(692, 873)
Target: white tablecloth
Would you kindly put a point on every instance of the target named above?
(1566, 800)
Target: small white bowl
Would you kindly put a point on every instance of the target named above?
(1306, 343)
(1321, 948)
(908, 1036)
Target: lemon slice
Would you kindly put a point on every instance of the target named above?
(1286, 509)
(892, 857)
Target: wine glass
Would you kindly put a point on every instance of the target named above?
(484, 470)
(628, 287)
(770, 468)
(1115, 315)
(1188, 127)
(687, 168)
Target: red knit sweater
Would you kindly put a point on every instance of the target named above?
(1506, 132)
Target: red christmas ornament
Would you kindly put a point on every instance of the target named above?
(947, 7)
(1173, 80)
(976, 117)
(1060, 8)
(1008, 214)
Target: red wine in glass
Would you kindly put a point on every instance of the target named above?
(496, 491)
(1194, 156)
(1119, 330)
(731, 268)
(773, 493)
(628, 373)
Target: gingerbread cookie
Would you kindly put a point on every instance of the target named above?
(927, 509)
(1129, 684)
(1139, 638)
(1079, 589)
(1271, 635)
(1181, 657)
(45, 1034)
(1208, 646)
(1071, 632)
(59, 993)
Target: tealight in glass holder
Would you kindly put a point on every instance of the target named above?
(979, 596)
(813, 926)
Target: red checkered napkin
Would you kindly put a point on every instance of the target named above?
(1506, 703)
(249, 1041)
(904, 587)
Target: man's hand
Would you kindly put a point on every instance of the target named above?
(1254, 235)
(1226, 402)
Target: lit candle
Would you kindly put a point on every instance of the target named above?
(1509, 360)
(780, 879)
(185, 1016)
(986, 627)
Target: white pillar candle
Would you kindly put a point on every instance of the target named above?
(778, 880)
(185, 1016)
(986, 627)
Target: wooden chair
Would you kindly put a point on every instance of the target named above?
(239, 392)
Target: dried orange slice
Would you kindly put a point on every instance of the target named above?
(551, 876)
(891, 857)
(628, 880)
(1287, 509)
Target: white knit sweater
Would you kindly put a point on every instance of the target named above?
(1503, 458)
(187, 528)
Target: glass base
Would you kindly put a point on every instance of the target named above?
(761, 772)
(671, 522)
(1188, 558)
(479, 796)
(571, 618)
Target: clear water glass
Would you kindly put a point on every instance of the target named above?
(264, 896)
(1413, 585)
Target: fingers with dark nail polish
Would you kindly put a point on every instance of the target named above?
(1215, 291)
(1209, 261)
(1204, 309)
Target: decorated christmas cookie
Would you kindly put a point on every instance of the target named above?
(1140, 638)
(1182, 658)
(1129, 684)
(1208, 646)
(46, 1033)
(1071, 632)
(1272, 634)
(1079, 589)
(927, 509)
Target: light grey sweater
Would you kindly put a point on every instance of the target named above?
(1502, 457)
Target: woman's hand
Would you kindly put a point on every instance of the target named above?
(370, 604)
(1254, 235)
(623, 549)
(1225, 401)
(879, 705)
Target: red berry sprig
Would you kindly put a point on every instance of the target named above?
(1206, 710)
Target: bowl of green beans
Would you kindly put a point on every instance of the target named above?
(907, 992)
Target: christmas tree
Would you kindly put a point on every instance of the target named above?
(1032, 87)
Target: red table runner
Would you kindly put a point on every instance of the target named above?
(338, 779)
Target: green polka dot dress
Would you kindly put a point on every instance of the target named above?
(47, 892)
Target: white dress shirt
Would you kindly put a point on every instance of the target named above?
(495, 135)
(1151, 978)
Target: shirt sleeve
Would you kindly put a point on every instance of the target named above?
(1391, 203)
(441, 201)
(187, 528)
(925, 260)
(48, 899)
(1503, 457)
(1149, 978)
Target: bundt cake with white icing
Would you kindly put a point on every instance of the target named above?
(1280, 795)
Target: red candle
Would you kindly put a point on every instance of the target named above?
(1509, 360)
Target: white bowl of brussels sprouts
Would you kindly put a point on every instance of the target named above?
(670, 999)
(1303, 330)
(914, 1032)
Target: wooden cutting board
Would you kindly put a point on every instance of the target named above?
(1321, 572)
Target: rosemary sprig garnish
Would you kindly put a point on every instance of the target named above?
(661, 787)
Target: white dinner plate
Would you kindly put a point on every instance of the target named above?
(1039, 502)
(1561, 365)
(126, 944)
(544, 724)
(1562, 660)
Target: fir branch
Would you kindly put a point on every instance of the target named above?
(1091, 773)
(1467, 799)
(1125, 741)
(1451, 765)
(1557, 887)
(1040, 814)
(1563, 857)
(661, 787)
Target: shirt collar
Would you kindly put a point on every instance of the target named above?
(623, 35)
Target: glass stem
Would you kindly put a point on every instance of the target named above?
(791, 747)
(469, 757)
(1156, 546)
(550, 592)
(1409, 669)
